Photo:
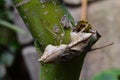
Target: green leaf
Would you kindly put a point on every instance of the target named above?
(7, 59)
(11, 26)
(113, 74)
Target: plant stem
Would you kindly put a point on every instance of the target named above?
(41, 17)
(84, 10)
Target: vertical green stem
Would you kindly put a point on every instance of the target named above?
(43, 17)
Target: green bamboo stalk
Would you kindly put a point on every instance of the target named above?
(43, 18)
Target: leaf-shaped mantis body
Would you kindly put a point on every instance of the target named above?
(55, 53)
